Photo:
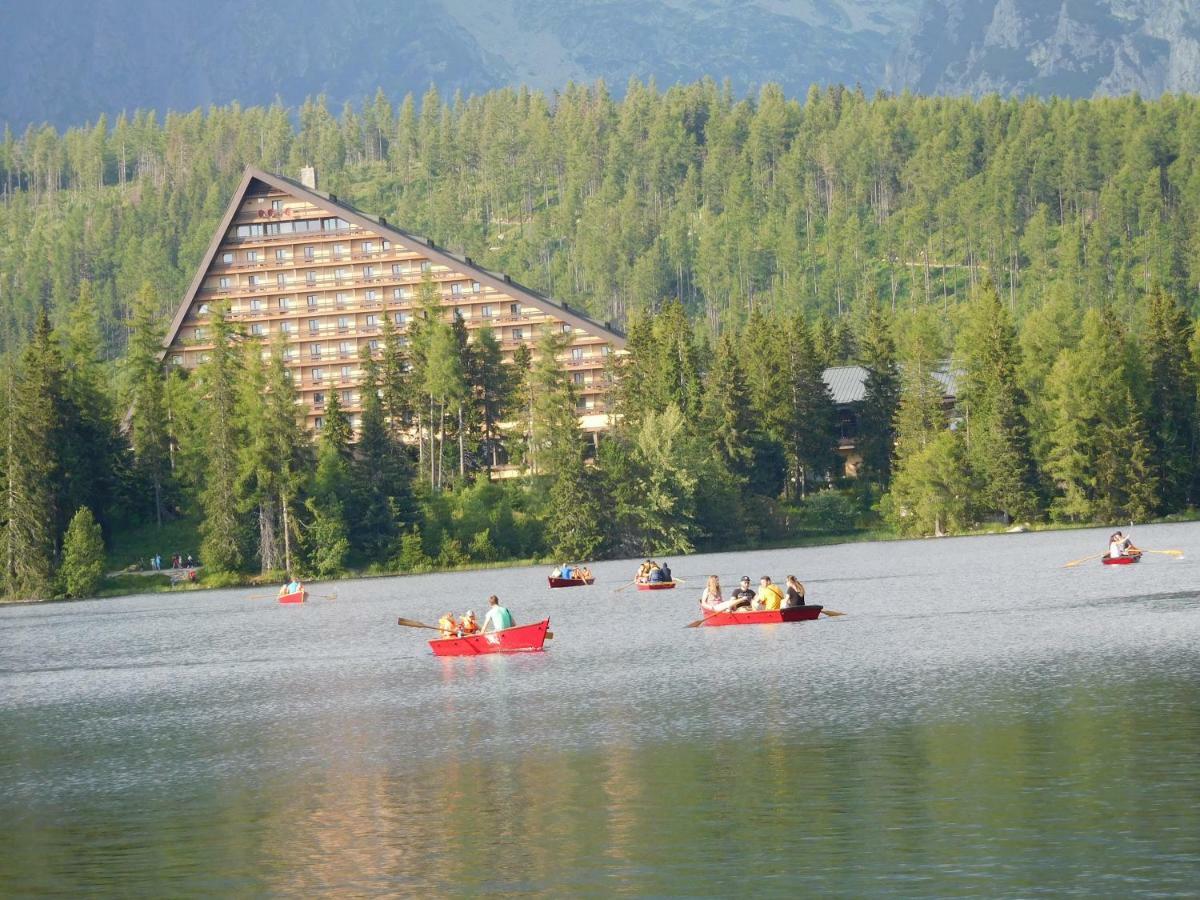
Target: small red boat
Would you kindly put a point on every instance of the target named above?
(518, 639)
(763, 616)
(295, 597)
(569, 582)
(656, 586)
(1121, 560)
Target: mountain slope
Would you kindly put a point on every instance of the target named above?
(1073, 48)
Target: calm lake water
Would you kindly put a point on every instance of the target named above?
(981, 722)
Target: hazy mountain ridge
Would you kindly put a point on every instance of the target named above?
(1080, 49)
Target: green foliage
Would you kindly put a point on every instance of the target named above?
(326, 545)
(412, 556)
(82, 568)
(830, 512)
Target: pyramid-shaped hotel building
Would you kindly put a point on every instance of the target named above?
(289, 258)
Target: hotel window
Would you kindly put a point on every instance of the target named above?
(314, 326)
(258, 329)
(256, 305)
(397, 270)
(345, 371)
(272, 228)
(312, 301)
(277, 206)
(203, 310)
(368, 271)
(318, 397)
(343, 323)
(485, 311)
(372, 296)
(281, 255)
(456, 290)
(566, 328)
(223, 282)
(387, 245)
(514, 309)
(310, 277)
(577, 378)
(177, 360)
(518, 334)
(281, 281)
(319, 423)
(340, 274)
(285, 303)
(340, 299)
(475, 287)
(346, 398)
(368, 246)
(338, 250)
(310, 253)
(199, 334)
(402, 293)
(288, 327)
(251, 256)
(252, 281)
(604, 348)
(227, 259)
(373, 345)
(426, 265)
(249, 230)
(576, 354)
(345, 348)
(314, 350)
(372, 320)
(401, 318)
(290, 353)
(318, 375)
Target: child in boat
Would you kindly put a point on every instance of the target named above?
(643, 572)
(467, 624)
(711, 599)
(448, 626)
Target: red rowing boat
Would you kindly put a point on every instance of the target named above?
(656, 586)
(518, 639)
(295, 597)
(763, 616)
(569, 582)
(1121, 560)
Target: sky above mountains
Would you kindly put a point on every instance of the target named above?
(68, 61)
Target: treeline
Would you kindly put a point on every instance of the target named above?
(726, 203)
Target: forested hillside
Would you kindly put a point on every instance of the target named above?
(1048, 253)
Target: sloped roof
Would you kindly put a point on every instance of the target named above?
(497, 280)
(848, 384)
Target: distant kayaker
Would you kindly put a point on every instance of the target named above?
(769, 595)
(711, 598)
(498, 617)
(448, 625)
(743, 594)
(468, 624)
(795, 593)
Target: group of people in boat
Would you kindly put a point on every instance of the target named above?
(292, 587)
(572, 572)
(651, 572)
(1119, 545)
(745, 598)
(497, 618)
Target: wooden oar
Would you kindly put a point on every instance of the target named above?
(259, 596)
(622, 587)
(1076, 562)
(1164, 552)
(412, 623)
(679, 580)
(826, 611)
(330, 596)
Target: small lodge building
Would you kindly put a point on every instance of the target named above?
(848, 387)
(288, 258)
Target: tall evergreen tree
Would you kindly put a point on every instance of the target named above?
(1171, 406)
(145, 394)
(382, 477)
(876, 438)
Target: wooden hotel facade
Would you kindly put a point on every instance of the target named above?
(289, 258)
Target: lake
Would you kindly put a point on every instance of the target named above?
(981, 722)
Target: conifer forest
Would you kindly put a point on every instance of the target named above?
(1042, 256)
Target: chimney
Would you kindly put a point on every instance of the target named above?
(308, 177)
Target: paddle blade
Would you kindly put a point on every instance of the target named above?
(1175, 553)
(549, 635)
(1076, 562)
(826, 611)
(695, 624)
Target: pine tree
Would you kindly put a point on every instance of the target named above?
(876, 438)
(811, 416)
(145, 395)
(1171, 406)
(83, 555)
(217, 379)
(382, 480)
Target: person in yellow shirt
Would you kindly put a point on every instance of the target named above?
(769, 596)
(448, 626)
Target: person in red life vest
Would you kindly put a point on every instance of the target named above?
(467, 624)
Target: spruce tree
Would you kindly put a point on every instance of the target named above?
(145, 395)
(811, 417)
(876, 437)
(83, 556)
(382, 479)
(1171, 406)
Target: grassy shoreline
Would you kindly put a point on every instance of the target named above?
(124, 584)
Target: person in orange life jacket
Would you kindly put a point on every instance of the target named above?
(467, 624)
(448, 626)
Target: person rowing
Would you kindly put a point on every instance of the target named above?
(1119, 545)
(769, 596)
(448, 625)
(498, 617)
